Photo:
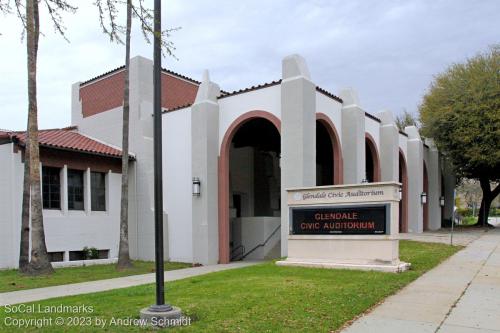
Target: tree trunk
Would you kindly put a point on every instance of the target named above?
(123, 252)
(24, 247)
(40, 263)
(488, 197)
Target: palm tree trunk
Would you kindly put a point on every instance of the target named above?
(40, 263)
(24, 247)
(123, 252)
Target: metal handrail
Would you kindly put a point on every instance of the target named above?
(233, 256)
(262, 244)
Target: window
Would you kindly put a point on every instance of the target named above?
(88, 254)
(51, 188)
(56, 256)
(75, 190)
(98, 191)
(76, 255)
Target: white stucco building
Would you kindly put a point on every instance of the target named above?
(245, 147)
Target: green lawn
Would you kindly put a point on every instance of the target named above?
(468, 220)
(11, 280)
(261, 298)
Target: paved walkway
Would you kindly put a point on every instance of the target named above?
(462, 295)
(31, 295)
(461, 236)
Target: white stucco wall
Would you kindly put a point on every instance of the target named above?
(104, 126)
(73, 230)
(177, 182)
(64, 230)
(11, 170)
(372, 127)
(265, 99)
(332, 109)
(403, 140)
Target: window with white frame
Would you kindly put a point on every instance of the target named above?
(51, 187)
(98, 191)
(75, 190)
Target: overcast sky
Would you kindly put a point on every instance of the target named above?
(387, 50)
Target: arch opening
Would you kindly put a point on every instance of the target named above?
(403, 203)
(324, 156)
(328, 153)
(250, 189)
(372, 163)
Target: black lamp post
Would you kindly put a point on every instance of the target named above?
(160, 305)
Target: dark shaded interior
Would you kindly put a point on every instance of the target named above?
(324, 156)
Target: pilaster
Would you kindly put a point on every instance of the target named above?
(389, 147)
(353, 137)
(415, 168)
(204, 159)
(298, 128)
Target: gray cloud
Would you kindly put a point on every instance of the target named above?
(387, 50)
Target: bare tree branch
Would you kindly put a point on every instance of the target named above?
(5, 7)
(108, 17)
(55, 9)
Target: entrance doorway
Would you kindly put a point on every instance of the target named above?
(403, 203)
(328, 153)
(250, 179)
(372, 164)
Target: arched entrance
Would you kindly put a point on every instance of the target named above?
(372, 161)
(403, 203)
(426, 204)
(328, 152)
(249, 188)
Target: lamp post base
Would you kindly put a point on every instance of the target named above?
(162, 316)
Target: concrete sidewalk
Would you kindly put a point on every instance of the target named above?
(460, 295)
(461, 236)
(31, 295)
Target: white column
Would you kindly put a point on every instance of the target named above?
(141, 230)
(204, 159)
(434, 188)
(415, 168)
(64, 189)
(298, 133)
(353, 137)
(108, 191)
(86, 191)
(389, 147)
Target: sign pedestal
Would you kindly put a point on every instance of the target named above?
(345, 226)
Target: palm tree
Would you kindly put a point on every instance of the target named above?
(39, 263)
(107, 14)
(28, 13)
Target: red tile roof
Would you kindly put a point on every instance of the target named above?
(69, 139)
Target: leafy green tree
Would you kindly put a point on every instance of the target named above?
(461, 111)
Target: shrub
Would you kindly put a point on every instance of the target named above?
(90, 253)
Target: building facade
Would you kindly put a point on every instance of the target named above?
(244, 149)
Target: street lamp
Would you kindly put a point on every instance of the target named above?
(423, 198)
(196, 187)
